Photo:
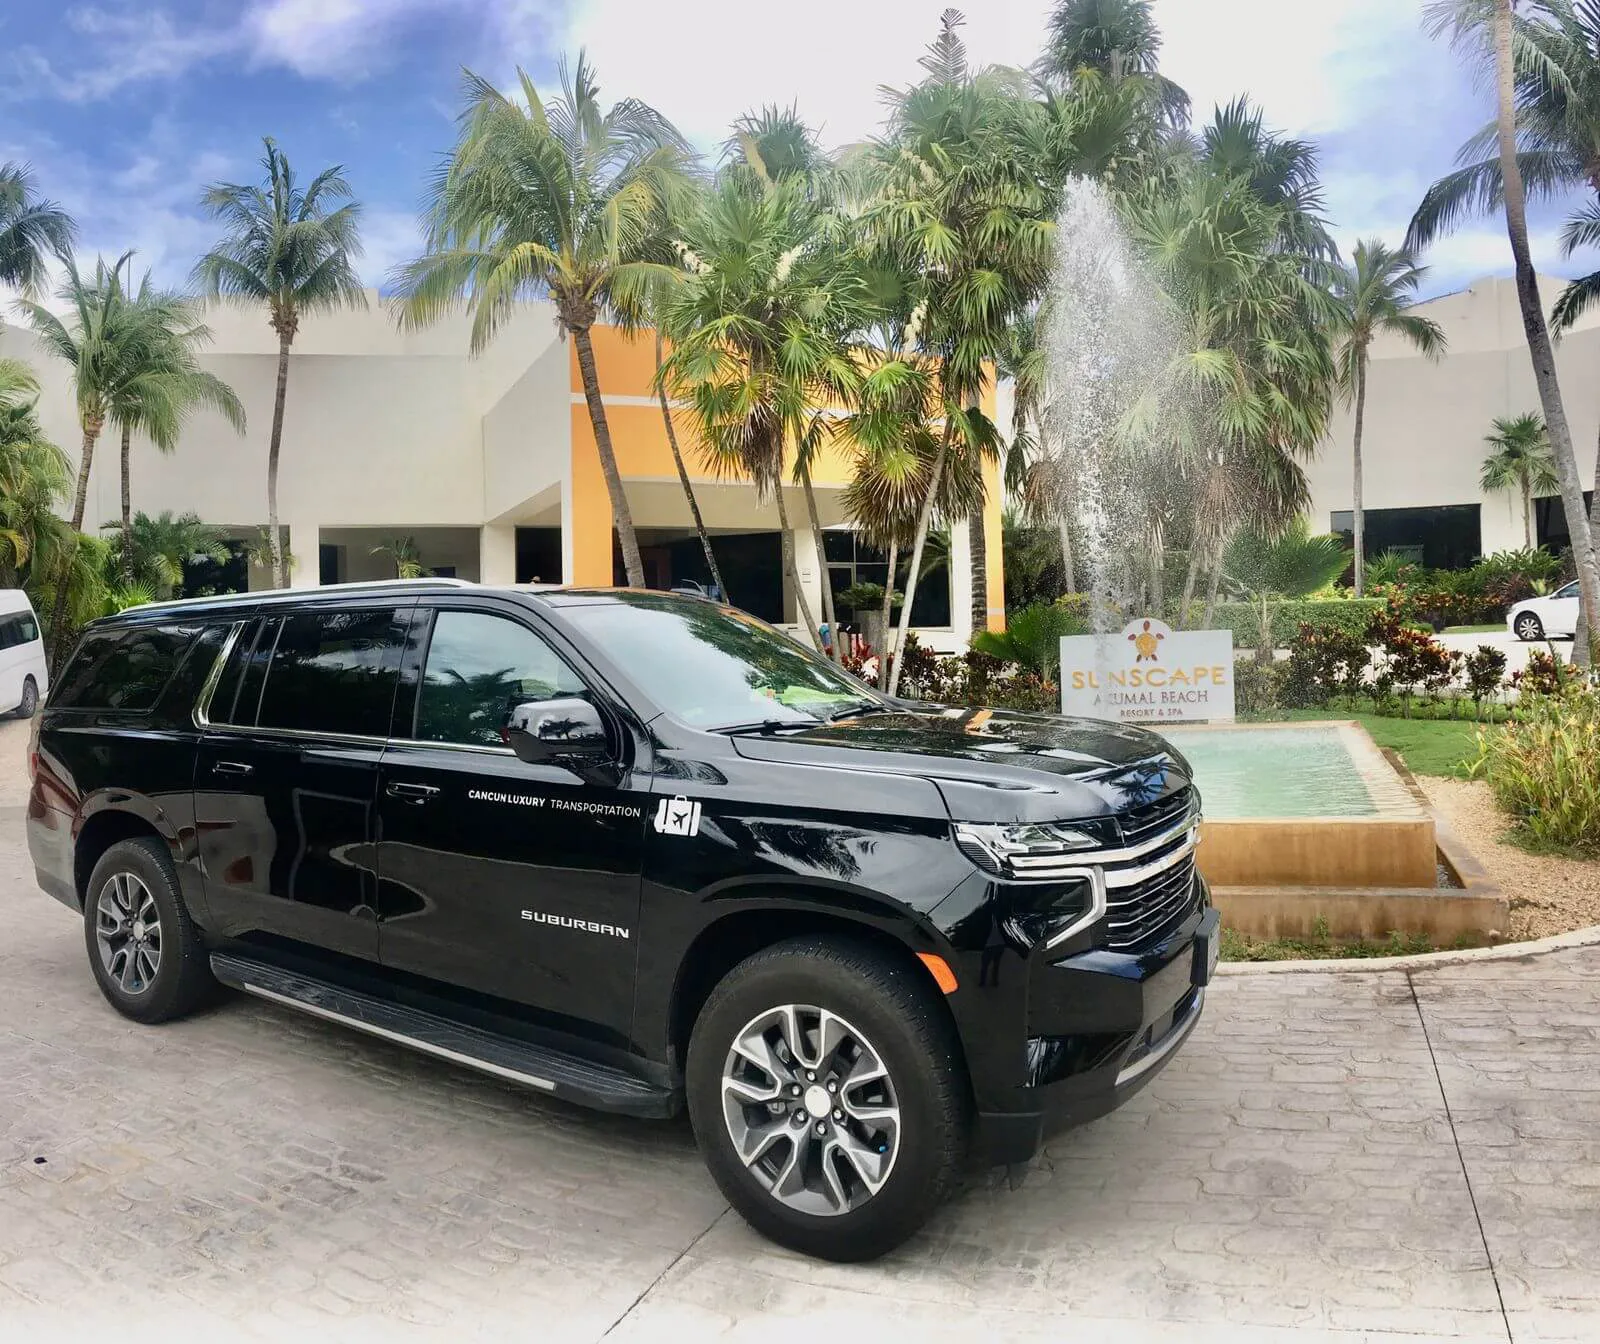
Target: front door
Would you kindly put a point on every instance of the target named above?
(514, 880)
(287, 774)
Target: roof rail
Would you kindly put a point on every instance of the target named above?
(301, 594)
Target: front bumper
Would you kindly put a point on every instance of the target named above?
(1101, 1026)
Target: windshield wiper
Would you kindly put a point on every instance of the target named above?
(766, 727)
(856, 709)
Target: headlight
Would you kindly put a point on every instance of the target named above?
(1026, 849)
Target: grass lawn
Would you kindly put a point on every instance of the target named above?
(1498, 628)
(1428, 746)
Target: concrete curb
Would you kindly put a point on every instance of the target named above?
(1421, 961)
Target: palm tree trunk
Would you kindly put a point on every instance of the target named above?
(1068, 572)
(622, 516)
(280, 565)
(1192, 575)
(786, 544)
(1538, 333)
(924, 521)
(1527, 511)
(888, 608)
(127, 507)
(1158, 574)
(829, 615)
(1211, 593)
(683, 476)
(978, 550)
(1356, 515)
(80, 501)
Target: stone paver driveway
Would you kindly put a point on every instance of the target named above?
(1341, 1156)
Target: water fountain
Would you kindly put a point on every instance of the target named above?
(1306, 822)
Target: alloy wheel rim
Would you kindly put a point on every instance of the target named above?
(1528, 628)
(127, 926)
(811, 1109)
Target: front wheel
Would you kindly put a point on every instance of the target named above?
(30, 699)
(1528, 627)
(828, 1096)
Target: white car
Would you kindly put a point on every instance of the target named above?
(1546, 617)
(23, 676)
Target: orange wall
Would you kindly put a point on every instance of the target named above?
(639, 438)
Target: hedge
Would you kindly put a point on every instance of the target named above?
(1244, 618)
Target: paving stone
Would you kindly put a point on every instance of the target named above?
(1293, 1177)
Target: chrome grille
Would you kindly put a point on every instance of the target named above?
(1141, 916)
(1145, 821)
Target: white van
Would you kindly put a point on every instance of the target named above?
(23, 677)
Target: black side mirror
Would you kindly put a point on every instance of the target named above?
(568, 731)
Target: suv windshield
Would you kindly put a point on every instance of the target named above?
(716, 668)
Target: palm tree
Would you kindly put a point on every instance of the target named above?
(761, 330)
(107, 343)
(403, 554)
(30, 229)
(163, 388)
(964, 225)
(1519, 459)
(152, 553)
(557, 199)
(1484, 29)
(294, 251)
(1115, 40)
(1244, 394)
(712, 567)
(1372, 293)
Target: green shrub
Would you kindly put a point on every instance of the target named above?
(1257, 686)
(1032, 637)
(1324, 662)
(1351, 615)
(1544, 767)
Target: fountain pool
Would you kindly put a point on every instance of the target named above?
(1309, 824)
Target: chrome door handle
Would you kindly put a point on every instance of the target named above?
(412, 793)
(232, 768)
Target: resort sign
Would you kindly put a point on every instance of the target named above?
(1149, 673)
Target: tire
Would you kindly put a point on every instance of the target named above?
(30, 699)
(853, 1009)
(148, 972)
(1528, 627)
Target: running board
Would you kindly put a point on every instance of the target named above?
(545, 1070)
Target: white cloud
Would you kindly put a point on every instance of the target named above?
(324, 39)
(704, 62)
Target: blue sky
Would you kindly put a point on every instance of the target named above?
(127, 110)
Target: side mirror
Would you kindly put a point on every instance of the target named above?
(558, 732)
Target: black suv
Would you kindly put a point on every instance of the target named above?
(639, 852)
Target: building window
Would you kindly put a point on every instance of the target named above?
(1449, 536)
(1550, 521)
(851, 560)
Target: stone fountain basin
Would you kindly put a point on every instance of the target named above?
(1311, 823)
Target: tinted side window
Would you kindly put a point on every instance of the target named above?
(478, 667)
(176, 707)
(123, 669)
(334, 672)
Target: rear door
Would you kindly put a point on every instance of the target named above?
(514, 880)
(287, 774)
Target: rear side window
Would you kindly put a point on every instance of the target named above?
(123, 669)
(18, 627)
(332, 672)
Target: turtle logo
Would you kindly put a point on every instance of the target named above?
(1145, 644)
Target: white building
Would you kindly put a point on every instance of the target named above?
(1423, 445)
(487, 464)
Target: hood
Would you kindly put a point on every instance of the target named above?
(995, 765)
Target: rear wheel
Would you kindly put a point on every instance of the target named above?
(30, 699)
(144, 949)
(1528, 627)
(828, 1097)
